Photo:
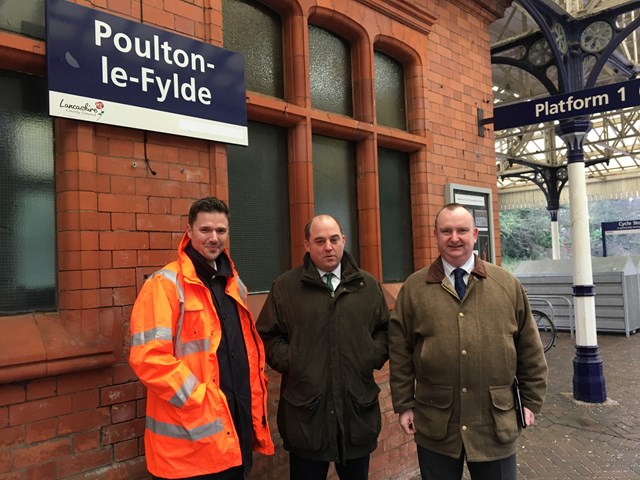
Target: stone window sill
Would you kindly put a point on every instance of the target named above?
(40, 345)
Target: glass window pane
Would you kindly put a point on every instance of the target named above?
(330, 72)
(259, 206)
(25, 17)
(27, 196)
(256, 32)
(395, 215)
(390, 102)
(334, 185)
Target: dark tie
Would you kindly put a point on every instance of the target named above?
(327, 278)
(458, 273)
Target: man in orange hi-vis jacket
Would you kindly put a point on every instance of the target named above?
(195, 347)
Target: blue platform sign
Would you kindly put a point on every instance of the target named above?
(567, 105)
(106, 69)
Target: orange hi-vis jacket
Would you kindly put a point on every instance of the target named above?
(175, 333)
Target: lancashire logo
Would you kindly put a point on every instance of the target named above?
(87, 110)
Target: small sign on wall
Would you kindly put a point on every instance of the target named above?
(106, 69)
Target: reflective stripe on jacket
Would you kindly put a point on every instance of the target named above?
(175, 333)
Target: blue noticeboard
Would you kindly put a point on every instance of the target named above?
(567, 105)
(106, 69)
(622, 227)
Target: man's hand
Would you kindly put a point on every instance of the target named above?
(406, 422)
(529, 416)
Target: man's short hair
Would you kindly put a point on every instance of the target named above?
(207, 204)
(453, 206)
(307, 227)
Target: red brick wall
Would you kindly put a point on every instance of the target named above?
(70, 407)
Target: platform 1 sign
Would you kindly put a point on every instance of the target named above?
(107, 69)
(582, 102)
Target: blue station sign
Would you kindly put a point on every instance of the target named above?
(106, 69)
(567, 105)
(622, 226)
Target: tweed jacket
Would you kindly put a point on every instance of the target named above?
(326, 345)
(453, 360)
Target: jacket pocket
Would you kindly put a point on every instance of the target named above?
(504, 413)
(300, 422)
(363, 416)
(434, 410)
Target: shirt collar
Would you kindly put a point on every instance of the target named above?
(336, 271)
(467, 266)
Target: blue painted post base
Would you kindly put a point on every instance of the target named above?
(588, 378)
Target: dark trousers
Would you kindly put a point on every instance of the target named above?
(303, 469)
(235, 473)
(434, 466)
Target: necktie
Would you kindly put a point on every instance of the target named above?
(461, 287)
(327, 278)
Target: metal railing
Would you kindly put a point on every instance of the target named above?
(547, 300)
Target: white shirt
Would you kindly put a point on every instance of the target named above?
(467, 267)
(335, 280)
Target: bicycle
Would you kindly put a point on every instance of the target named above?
(546, 328)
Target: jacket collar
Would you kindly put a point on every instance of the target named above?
(435, 274)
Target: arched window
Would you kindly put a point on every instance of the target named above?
(342, 138)
(261, 46)
(329, 72)
(257, 174)
(390, 102)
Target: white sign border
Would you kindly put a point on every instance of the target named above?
(130, 116)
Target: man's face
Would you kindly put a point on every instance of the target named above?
(325, 244)
(455, 235)
(209, 234)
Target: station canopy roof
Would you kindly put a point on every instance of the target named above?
(615, 135)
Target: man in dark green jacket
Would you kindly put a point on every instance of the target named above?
(326, 336)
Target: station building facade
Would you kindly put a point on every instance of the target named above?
(364, 109)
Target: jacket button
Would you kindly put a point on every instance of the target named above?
(464, 352)
(464, 389)
(464, 428)
(461, 314)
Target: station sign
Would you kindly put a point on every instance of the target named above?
(574, 104)
(621, 227)
(107, 69)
